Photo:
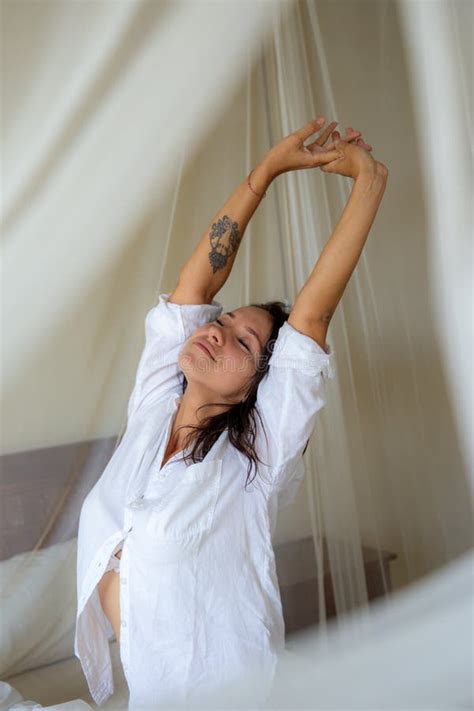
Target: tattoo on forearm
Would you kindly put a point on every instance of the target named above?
(225, 239)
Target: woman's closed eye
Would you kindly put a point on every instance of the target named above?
(239, 339)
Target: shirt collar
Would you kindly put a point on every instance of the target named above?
(173, 401)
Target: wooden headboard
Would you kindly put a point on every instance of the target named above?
(37, 483)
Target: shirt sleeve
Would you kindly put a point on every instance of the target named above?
(288, 401)
(167, 327)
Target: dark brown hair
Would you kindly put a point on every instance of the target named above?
(238, 419)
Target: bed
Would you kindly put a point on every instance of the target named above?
(36, 657)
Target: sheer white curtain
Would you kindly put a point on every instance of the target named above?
(125, 126)
(442, 90)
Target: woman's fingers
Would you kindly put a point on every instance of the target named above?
(321, 140)
(360, 142)
(356, 138)
(328, 157)
(351, 134)
(331, 145)
(309, 128)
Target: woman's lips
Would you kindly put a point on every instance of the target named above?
(203, 347)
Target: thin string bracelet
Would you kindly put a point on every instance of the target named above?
(248, 182)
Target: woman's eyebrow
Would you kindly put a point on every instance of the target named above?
(250, 330)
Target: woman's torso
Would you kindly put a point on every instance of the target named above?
(158, 537)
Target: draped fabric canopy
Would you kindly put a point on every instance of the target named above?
(125, 127)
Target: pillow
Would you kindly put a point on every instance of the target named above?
(38, 602)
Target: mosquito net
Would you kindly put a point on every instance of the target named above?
(125, 128)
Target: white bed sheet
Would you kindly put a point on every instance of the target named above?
(64, 681)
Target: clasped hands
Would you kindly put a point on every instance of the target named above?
(344, 156)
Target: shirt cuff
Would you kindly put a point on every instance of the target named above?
(192, 316)
(294, 349)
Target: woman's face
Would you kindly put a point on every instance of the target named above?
(235, 342)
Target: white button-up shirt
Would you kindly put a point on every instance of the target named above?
(199, 595)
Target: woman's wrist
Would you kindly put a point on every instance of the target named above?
(372, 175)
(261, 177)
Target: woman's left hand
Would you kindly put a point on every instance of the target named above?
(291, 153)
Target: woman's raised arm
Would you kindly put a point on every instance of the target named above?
(316, 302)
(209, 265)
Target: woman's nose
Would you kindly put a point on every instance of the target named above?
(217, 333)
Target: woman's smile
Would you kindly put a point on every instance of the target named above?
(205, 349)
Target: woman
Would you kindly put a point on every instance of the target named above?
(174, 547)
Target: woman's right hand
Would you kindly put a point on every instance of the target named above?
(355, 158)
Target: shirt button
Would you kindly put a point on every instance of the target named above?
(123, 581)
(137, 504)
(123, 623)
